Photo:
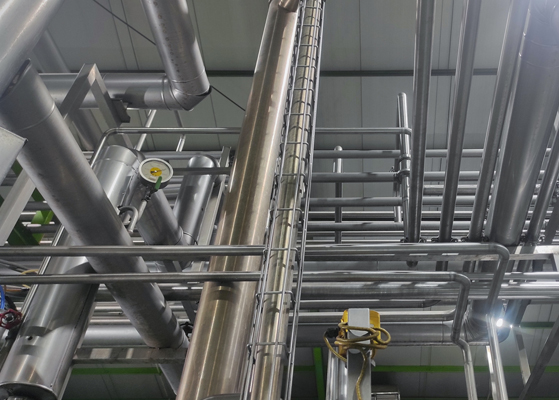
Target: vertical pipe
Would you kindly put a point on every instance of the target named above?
(177, 45)
(276, 298)
(193, 197)
(463, 83)
(468, 369)
(503, 89)
(404, 160)
(499, 385)
(421, 80)
(218, 349)
(533, 113)
(338, 168)
(149, 121)
(501, 98)
(332, 378)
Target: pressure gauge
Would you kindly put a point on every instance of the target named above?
(154, 170)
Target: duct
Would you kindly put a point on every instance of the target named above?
(152, 91)
(177, 45)
(422, 77)
(23, 23)
(57, 316)
(51, 60)
(463, 83)
(55, 163)
(214, 363)
(194, 193)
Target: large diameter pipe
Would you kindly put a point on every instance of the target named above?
(55, 163)
(422, 77)
(51, 61)
(57, 316)
(23, 23)
(176, 41)
(194, 193)
(533, 112)
(463, 84)
(276, 299)
(503, 89)
(215, 359)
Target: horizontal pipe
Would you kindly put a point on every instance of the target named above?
(148, 252)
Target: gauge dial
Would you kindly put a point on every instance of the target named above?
(152, 169)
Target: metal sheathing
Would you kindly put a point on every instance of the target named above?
(58, 315)
(56, 165)
(268, 348)
(176, 42)
(23, 23)
(193, 197)
(533, 113)
(216, 356)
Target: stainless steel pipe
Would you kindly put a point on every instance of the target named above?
(463, 83)
(23, 23)
(503, 89)
(58, 315)
(215, 359)
(194, 193)
(56, 165)
(422, 77)
(177, 45)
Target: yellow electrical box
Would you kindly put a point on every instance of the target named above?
(374, 318)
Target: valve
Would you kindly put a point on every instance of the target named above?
(10, 319)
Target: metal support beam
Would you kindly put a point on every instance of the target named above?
(13, 205)
(539, 368)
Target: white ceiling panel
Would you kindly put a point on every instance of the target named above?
(230, 32)
(341, 47)
(384, 43)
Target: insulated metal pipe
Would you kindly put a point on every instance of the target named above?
(463, 84)
(422, 77)
(23, 23)
(194, 193)
(177, 45)
(276, 298)
(533, 112)
(51, 61)
(58, 315)
(55, 163)
(218, 348)
(503, 89)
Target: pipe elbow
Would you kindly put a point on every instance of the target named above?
(185, 100)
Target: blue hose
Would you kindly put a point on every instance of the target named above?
(2, 298)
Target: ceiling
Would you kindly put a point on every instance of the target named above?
(367, 59)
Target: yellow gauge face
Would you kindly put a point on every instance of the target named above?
(154, 168)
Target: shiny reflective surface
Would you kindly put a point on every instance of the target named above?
(57, 167)
(214, 362)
